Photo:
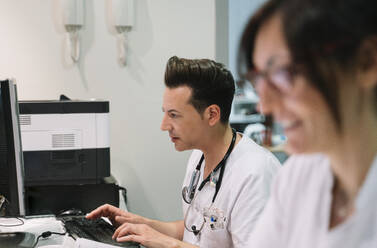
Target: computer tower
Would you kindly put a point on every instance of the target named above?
(53, 199)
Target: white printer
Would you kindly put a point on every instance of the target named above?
(65, 142)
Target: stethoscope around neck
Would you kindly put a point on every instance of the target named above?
(188, 192)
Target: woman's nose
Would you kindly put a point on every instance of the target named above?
(268, 98)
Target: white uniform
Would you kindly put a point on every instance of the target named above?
(298, 212)
(242, 196)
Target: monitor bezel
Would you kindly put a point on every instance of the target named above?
(15, 156)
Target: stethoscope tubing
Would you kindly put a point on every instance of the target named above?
(190, 191)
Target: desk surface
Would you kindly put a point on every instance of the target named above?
(43, 224)
(37, 226)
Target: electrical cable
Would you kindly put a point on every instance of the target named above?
(10, 210)
(43, 235)
(12, 225)
(46, 235)
(124, 193)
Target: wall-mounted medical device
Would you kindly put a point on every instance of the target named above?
(122, 18)
(73, 20)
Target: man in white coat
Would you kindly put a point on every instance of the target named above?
(228, 176)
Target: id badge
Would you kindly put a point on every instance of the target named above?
(214, 218)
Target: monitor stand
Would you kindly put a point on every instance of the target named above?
(17, 239)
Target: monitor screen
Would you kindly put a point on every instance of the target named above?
(11, 160)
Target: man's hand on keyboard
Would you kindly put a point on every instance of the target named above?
(143, 234)
(149, 233)
(116, 215)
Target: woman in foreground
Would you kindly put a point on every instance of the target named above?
(313, 64)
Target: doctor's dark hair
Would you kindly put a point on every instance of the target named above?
(325, 38)
(211, 83)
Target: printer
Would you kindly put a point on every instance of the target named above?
(65, 142)
(66, 150)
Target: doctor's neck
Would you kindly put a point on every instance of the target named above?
(218, 142)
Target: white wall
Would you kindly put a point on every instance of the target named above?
(222, 31)
(240, 12)
(33, 50)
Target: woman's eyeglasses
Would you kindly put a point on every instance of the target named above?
(280, 77)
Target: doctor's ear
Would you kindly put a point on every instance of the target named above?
(212, 113)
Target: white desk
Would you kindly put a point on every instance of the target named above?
(39, 225)
(43, 224)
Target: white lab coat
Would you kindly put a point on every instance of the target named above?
(243, 194)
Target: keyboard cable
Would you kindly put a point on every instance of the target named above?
(46, 235)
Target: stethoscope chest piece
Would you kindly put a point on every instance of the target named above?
(189, 192)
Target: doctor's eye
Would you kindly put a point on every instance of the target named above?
(173, 115)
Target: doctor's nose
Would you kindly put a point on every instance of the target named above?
(165, 126)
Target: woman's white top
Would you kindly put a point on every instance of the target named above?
(297, 214)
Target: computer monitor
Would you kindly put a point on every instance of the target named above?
(11, 159)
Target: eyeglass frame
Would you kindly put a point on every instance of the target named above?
(284, 84)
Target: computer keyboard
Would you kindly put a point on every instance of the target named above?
(97, 230)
